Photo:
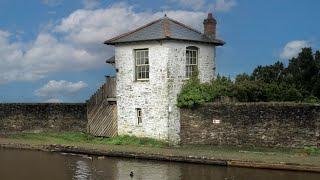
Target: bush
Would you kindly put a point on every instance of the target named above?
(193, 94)
(298, 82)
(250, 91)
(291, 94)
(311, 99)
(221, 87)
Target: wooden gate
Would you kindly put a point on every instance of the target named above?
(102, 111)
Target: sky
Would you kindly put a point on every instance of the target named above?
(53, 51)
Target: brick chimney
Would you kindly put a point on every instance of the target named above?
(210, 26)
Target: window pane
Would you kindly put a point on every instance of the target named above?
(142, 61)
(147, 72)
(138, 56)
(191, 61)
(147, 53)
(140, 75)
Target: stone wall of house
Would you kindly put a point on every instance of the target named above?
(176, 77)
(42, 117)
(156, 97)
(252, 124)
(150, 96)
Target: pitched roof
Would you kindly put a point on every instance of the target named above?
(164, 29)
(111, 60)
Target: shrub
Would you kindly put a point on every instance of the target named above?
(194, 93)
(311, 99)
(221, 87)
(299, 81)
(291, 94)
(250, 91)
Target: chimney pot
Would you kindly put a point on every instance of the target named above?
(210, 26)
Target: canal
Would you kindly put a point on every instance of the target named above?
(36, 165)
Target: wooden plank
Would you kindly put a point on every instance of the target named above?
(102, 116)
(103, 121)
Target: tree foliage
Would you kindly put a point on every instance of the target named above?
(299, 81)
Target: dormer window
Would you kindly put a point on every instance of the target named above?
(191, 61)
(141, 57)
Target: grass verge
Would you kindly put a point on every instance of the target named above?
(78, 137)
(132, 145)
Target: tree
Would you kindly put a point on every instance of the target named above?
(299, 82)
(303, 70)
(269, 74)
(242, 77)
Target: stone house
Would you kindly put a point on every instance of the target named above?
(152, 64)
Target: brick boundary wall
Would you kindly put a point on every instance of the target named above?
(23, 117)
(252, 124)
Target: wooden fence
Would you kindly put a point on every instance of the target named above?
(102, 110)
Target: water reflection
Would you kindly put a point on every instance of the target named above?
(35, 165)
(82, 171)
(148, 170)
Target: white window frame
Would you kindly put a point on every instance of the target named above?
(192, 54)
(142, 64)
(139, 116)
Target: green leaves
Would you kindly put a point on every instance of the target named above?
(193, 94)
(299, 82)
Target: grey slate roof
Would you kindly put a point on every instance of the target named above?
(164, 29)
(111, 60)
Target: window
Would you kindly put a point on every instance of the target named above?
(139, 115)
(191, 61)
(142, 64)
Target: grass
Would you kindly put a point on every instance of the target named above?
(78, 137)
(83, 138)
(312, 150)
(131, 144)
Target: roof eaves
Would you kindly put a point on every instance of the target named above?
(216, 42)
(111, 60)
(135, 41)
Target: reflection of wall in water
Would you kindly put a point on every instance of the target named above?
(87, 168)
(147, 170)
(105, 168)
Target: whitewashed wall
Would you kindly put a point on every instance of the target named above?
(157, 97)
(176, 77)
(150, 96)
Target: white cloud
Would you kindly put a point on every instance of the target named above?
(293, 48)
(94, 26)
(76, 43)
(60, 88)
(54, 100)
(90, 4)
(29, 62)
(225, 5)
(52, 2)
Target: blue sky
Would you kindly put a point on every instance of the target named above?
(51, 50)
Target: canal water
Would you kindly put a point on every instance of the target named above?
(36, 165)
